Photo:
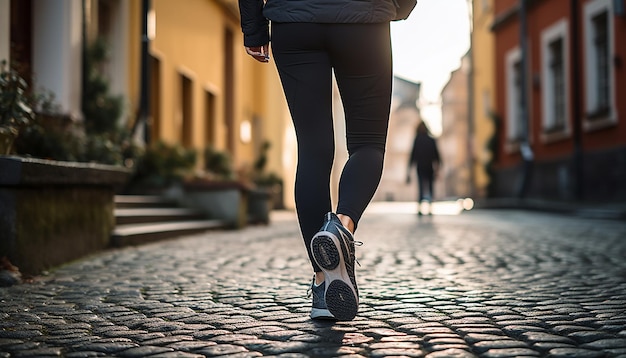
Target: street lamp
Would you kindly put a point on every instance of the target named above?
(577, 157)
(525, 149)
(144, 100)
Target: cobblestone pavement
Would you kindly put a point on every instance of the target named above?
(480, 284)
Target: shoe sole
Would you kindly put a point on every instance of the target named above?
(321, 314)
(340, 295)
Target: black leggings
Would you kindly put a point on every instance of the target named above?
(360, 55)
(425, 185)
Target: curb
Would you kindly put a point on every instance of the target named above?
(612, 211)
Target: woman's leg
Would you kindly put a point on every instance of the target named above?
(420, 187)
(306, 75)
(361, 57)
(431, 193)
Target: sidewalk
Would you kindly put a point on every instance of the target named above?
(610, 211)
(479, 283)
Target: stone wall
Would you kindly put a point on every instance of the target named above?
(54, 212)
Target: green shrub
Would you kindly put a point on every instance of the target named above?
(218, 163)
(48, 134)
(101, 109)
(15, 106)
(164, 164)
(260, 176)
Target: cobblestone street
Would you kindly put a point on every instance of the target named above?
(480, 284)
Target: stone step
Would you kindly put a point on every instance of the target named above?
(125, 216)
(137, 234)
(142, 201)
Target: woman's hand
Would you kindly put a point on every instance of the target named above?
(259, 53)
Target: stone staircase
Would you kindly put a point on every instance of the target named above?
(144, 218)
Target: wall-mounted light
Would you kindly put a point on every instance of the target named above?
(151, 24)
(245, 131)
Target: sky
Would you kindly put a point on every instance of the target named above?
(428, 46)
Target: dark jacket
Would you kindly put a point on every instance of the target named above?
(424, 153)
(255, 16)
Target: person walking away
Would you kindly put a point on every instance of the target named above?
(311, 40)
(425, 157)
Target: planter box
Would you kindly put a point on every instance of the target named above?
(260, 203)
(222, 200)
(53, 212)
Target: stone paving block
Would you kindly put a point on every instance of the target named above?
(574, 352)
(143, 351)
(177, 355)
(451, 353)
(510, 352)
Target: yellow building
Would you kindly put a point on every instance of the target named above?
(204, 90)
(482, 82)
(455, 176)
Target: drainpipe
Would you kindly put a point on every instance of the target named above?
(577, 157)
(525, 148)
(471, 117)
(144, 96)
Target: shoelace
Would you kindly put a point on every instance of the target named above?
(350, 265)
(309, 292)
(357, 243)
(353, 243)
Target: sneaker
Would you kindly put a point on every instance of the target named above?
(319, 309)
(333, 251)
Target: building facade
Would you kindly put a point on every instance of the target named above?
(481, 95)
(456, 176)
(201, 88)
(404, 118)
(560, 85)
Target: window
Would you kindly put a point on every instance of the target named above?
(557, 88)
(514, 87)
(600, 91)
(601, 52)
(229, 89)
(554, 74)
(156, 120)
(186, 111)
(209, 118)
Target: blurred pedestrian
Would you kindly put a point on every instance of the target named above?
(425, 157)
(311, 40)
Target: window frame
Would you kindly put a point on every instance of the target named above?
(551, 129)
(514, 132)
(595, 117)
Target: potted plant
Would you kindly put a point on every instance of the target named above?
(15, 107)
(218, 164)
(215, 191)
(160, 167)
(266, 193)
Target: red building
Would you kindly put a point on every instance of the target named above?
(561, 94)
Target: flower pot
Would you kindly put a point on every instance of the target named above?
(259, 205)
(220, 200)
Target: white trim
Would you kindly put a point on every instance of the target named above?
(559, 30)
(591, 9)
(512, 57)
(5, 30)
(57, 52)
(187, 72)
(211, 88)
(118, 63)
